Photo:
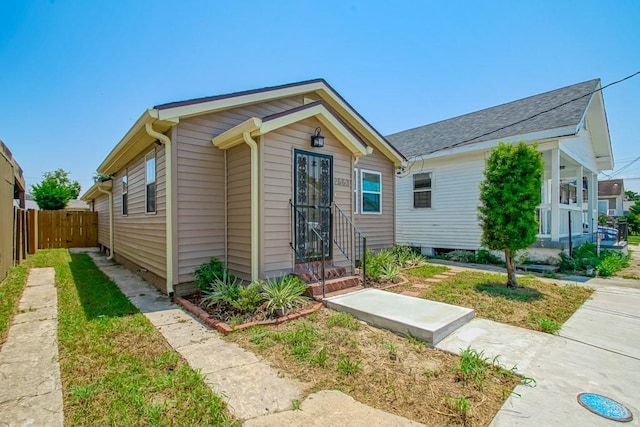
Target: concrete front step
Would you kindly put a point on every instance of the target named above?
(428, 320)
(332, 285)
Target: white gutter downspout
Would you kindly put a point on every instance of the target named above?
(255, 236)
(168, 170)
(110, 193)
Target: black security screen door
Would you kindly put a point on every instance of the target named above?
(313, 191)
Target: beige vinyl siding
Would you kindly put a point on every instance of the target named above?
(141, 237)
(101, 205)
(277, 189)
(452, 221)
(379, 229)
(201, 180)
(239, 211)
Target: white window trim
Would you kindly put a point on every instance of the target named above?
(126, 175)
(413, 190)
(362, 172)
(150, 154)
(356, 197)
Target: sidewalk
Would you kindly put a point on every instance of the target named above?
(30, 388)
(597, 350)
(253, 390)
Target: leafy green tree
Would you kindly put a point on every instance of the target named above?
(55, 190)
(509, 196)
(631, 196)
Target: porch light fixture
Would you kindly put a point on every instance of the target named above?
(317, 140)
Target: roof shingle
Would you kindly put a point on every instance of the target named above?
(480, 125)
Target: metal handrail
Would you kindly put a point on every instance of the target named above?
(308, 256)
(350, 241)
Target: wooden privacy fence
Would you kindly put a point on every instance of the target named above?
(65, 229)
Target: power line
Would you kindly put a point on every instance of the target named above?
(403, 174)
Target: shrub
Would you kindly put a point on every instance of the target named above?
(222, 290)
(406, 256)
(209, 271)
(485, 257)
(379, 263)
(283, 293)
(249, 297)
(611, 263)
(461, 255)
(585, 258)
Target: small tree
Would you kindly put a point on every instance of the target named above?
(509, 196)
(55, 190)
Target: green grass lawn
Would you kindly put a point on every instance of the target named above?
(116, 368)
(10, 291)
(633, 240)
(536, 304)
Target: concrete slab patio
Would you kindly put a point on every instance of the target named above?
(428, 320)
(30, 387)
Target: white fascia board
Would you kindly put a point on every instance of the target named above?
(121, 149)
(328, 120)
(486, 145)
(236, 101)
(380, 143)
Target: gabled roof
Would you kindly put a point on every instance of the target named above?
(502, 121)
(162, 117)
(257, 126)
(610, 187)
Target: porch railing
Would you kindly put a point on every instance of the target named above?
(308, 244)
(350, 241)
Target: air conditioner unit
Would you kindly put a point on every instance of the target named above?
(611, 212)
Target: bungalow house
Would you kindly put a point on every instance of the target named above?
(438, 192)
(268, 181)
(611, 197)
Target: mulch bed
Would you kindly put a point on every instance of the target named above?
(219, 318)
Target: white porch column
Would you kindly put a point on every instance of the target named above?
(593, 202)
(555, 195)
(579, 198)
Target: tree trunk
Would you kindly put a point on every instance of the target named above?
(509, 257)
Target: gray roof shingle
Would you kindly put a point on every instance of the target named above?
(479, 126)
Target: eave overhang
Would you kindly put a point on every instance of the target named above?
(135, 141)
(260, 126)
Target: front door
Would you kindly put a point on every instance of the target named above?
(313, 196)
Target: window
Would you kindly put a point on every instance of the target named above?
(125, 193)
(422, 190)
(355, 191)
(150, 181)
(371, 188)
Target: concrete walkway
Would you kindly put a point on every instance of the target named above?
(252, 389)
(30, 388)
(597, 350)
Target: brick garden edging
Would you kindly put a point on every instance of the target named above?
(227, 329)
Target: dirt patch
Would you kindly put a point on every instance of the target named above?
(397, 374)
(633, 271)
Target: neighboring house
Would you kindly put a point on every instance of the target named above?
(438, 194)
(77, 205)
(30, 202)
(233, 176)
(12, 186)
(611, 197)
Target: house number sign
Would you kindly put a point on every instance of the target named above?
(342, 182)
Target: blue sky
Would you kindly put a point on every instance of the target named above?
(75, 75)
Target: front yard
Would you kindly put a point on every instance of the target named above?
(116, 368)
(401, 375)
(536, 304)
